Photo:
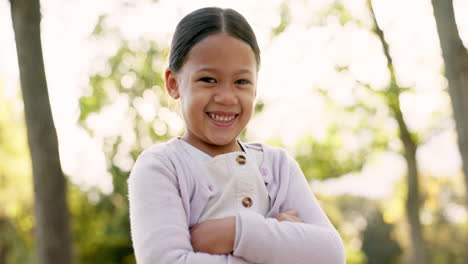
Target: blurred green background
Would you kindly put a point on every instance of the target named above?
(357, 94)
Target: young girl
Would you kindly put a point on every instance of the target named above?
(207, 197)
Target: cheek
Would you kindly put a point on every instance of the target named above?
(184, 111)
(194, 103)
(250, 96)
(248, 101)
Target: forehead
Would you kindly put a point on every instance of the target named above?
(221, 52)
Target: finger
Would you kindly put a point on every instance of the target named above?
(284, 217)
(296, 219)
(290, 212)
(290, 218)
(280, 217)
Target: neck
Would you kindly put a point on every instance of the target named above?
(212, 149)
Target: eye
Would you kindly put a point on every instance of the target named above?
(243, 82)
(207, 80)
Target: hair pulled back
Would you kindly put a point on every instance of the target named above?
(204, 22)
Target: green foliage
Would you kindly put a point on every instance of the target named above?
(132, 72)
(342, 13)
(101, 227)
(348, 214)
(445, 218)
(259, 106)
(322, 160)
(338, 10)
(99, 28)
(368, 237)
(101, 221)
(14, 244)
(377, 241)
(16, 223)
(285, 14)
(362, 125)
(136, 74)
(96, 101)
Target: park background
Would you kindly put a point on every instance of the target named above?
(355, 91)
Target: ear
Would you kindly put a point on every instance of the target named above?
(172, 85)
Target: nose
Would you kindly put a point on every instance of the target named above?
(226, 95)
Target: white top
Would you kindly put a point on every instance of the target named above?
(168, 192)
(236, 181)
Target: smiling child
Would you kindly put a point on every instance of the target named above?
(207, 197)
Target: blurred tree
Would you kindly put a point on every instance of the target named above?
(377, 241)
(410, 145)
(132, 76)
(53, 236)
(15, 185)
(285, 15)
(101, 227)
(325, 159)
(331, 155)
(347, 214)
(360, 124)
(362, 227)
(444, 214)
(455, 58)
(378, 227)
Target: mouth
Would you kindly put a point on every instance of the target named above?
(222, 119)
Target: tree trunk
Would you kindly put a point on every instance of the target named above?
(413, 201)
(4, 246)
(456, 71)
(53, 236)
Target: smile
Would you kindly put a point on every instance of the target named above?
(222, 119)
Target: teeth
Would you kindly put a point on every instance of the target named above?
(221, 118)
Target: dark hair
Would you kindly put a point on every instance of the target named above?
(204, 22)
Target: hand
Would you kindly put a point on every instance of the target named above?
(214, 236)
(289, 215)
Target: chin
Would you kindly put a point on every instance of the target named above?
(222, 140)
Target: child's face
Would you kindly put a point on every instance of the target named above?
(217, 86)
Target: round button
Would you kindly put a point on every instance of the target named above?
(241, 159)
(247, 202)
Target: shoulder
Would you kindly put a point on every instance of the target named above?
(276, 158)
(160, 149)
(153, 171)
(163, 151)
(265, 148)
(271, 153)
(158, 156)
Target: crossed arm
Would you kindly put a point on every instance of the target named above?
(216, 236)
(160, 231)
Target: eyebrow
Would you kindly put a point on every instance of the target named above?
(214, 70)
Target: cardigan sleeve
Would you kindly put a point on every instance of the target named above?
(269, 241)
(159, 228)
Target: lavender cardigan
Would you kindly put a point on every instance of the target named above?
(168, 192)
